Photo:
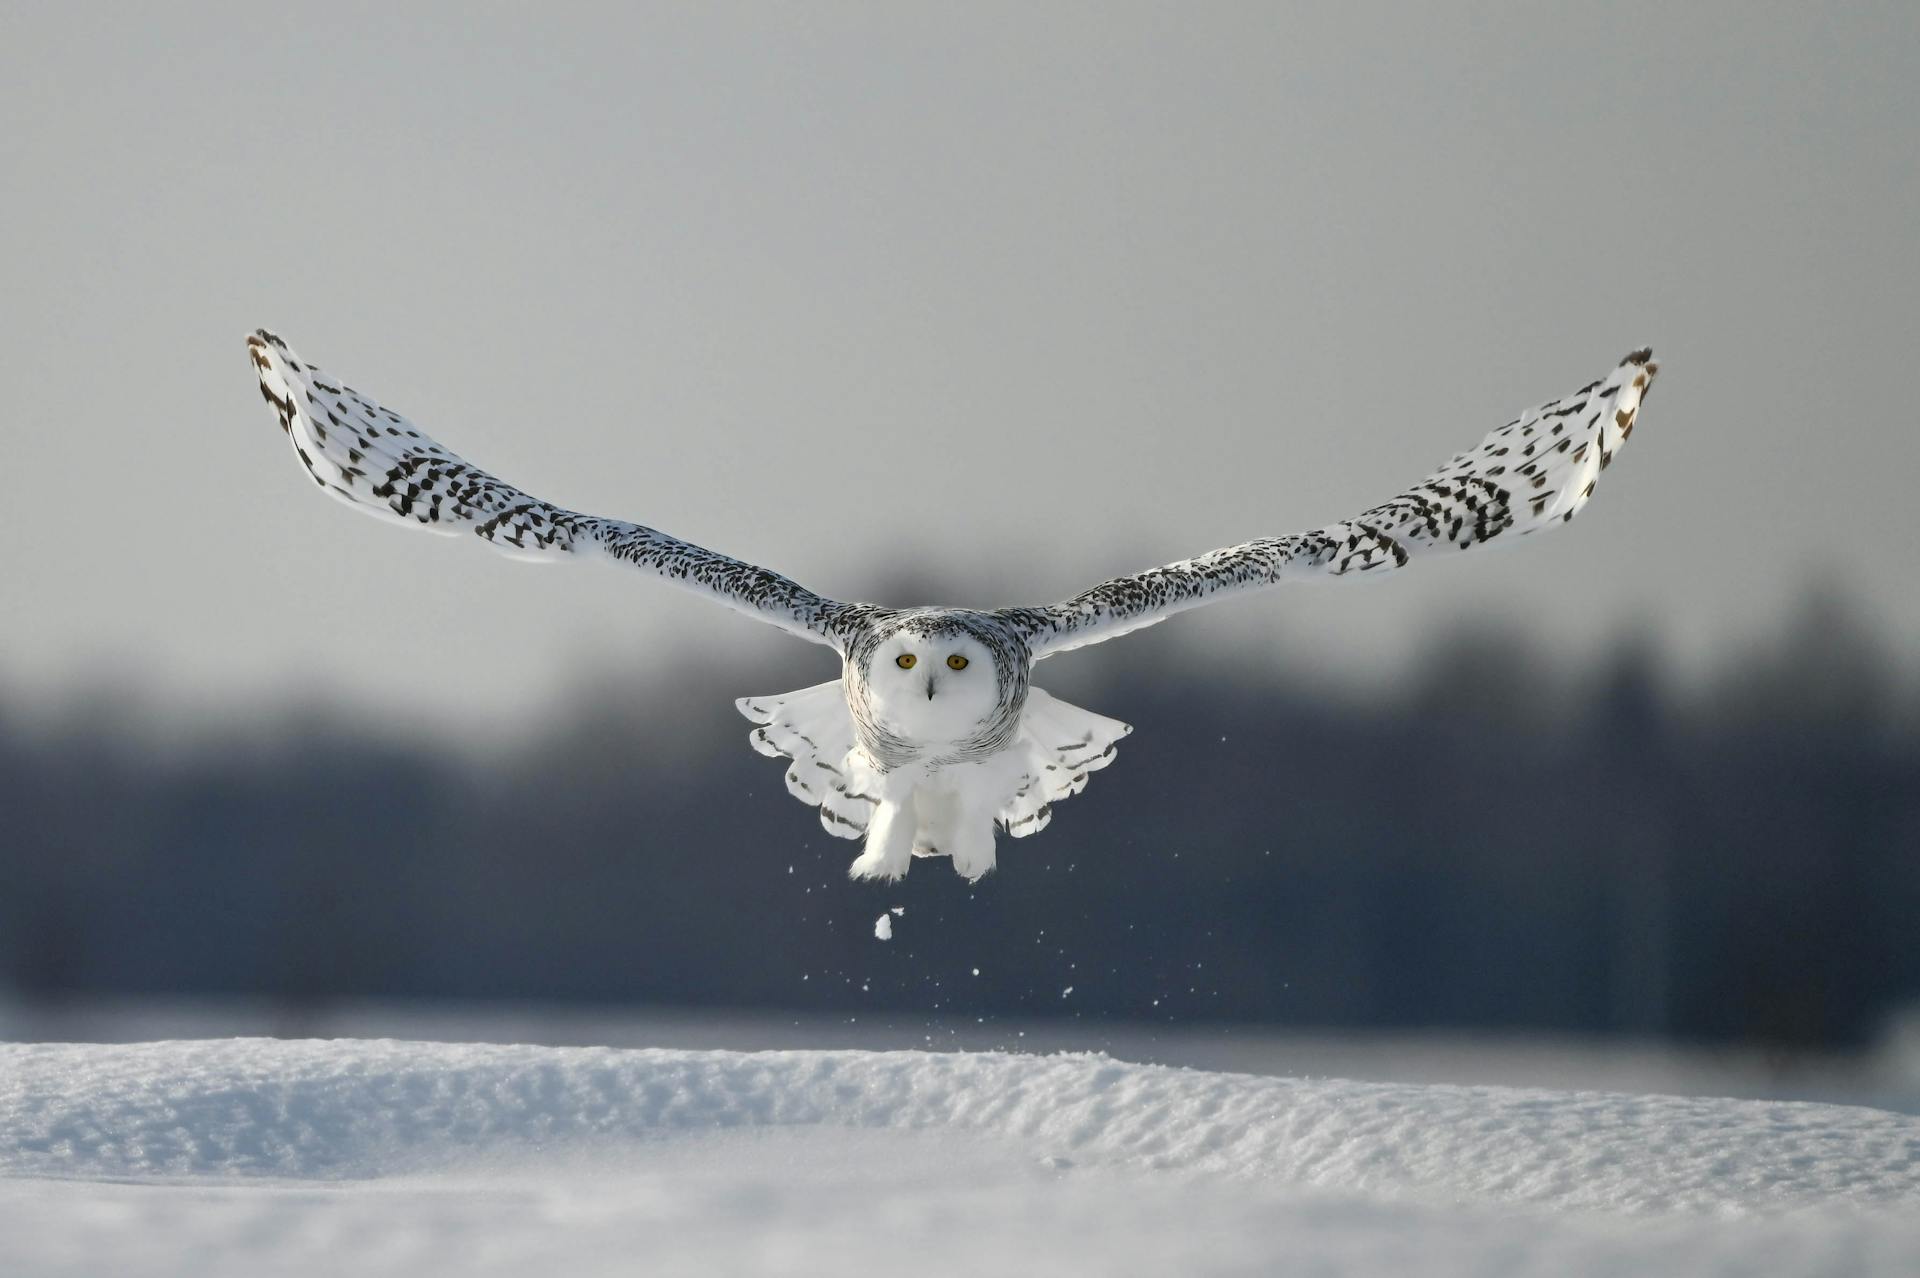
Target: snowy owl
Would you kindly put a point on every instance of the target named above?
(933, 737)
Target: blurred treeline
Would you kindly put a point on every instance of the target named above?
(1499, 844)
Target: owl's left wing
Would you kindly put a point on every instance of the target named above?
(1535, 472)
(376, 461)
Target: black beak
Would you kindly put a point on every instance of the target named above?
(929, 687)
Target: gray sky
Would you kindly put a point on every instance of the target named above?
(1003, 300)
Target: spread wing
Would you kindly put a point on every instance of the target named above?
(375, 460)
(1535, 472)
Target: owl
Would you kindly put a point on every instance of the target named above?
(934, 739)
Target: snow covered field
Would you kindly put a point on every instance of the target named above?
(255, 1156)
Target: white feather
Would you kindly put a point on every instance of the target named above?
(813, 728)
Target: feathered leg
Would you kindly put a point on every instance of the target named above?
(889, 848)
(972, 840)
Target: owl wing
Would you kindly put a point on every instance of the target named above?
(1535, 472)
(376, 461)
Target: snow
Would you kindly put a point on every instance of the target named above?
(247, 1156)
(883, 927)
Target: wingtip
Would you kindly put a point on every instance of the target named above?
(1642, 359)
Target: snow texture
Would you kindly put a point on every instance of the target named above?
(248, 1156)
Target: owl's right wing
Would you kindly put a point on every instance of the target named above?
(1535, 472)
(376, 461)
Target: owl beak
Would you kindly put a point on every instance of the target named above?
(930, 682)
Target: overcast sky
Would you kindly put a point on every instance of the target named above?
(995, 301)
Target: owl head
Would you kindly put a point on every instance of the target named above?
(941, 677)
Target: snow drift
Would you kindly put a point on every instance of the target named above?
(461, 1158)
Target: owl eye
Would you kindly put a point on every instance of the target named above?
(956, 662)
(905, 660)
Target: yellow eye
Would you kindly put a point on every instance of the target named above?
(905, 660)
(956, 662)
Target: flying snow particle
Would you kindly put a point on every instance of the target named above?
(883, 927)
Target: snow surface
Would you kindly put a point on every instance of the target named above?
(250, 1156)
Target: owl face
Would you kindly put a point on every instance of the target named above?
(933, 687)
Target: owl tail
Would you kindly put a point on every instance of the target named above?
(812, 728)
(1058, 746)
